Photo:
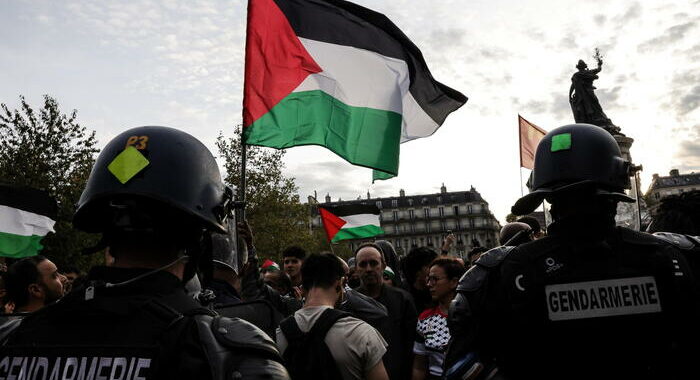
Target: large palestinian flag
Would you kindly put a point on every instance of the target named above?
(26, 216)
(350, 222)
(335, 74)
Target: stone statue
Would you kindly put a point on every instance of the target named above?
(584, 103)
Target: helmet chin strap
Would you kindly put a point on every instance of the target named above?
(127, 282)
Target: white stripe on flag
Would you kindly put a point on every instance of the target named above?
(359, 220)
(19, 222)
(363, 78)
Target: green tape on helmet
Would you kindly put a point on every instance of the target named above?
(561, 142)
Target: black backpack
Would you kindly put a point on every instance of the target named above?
(307, 356)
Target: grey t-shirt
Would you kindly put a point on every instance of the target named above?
(355, 345)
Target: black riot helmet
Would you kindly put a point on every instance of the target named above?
(573, 157)
(148, 175)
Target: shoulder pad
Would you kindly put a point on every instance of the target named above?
(475, 277)
(235, 334)
(239, 334)
(683, 242)
(636, 237)
(472, 279)
(493, 257)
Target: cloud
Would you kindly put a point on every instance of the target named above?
(633, 12)
(688, 153)
(338, 178)
(685, 92)
(670, 36)
(600, 19)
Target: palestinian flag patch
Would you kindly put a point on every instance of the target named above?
(338, 75)
(350, 222)
(26, 216)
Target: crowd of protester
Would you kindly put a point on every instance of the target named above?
(374, 315)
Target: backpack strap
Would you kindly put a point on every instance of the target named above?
(325, 322)
(291, 329)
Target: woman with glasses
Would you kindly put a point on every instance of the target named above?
(432, 334)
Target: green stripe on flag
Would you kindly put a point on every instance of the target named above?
(364, 136)
(357, 233)
(18, 246)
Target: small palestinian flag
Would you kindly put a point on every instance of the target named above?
(269, 265)
(350, 222)
(338, 75)
(26, 216)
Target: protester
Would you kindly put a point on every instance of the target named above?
(279, 281)
(293, 258)
(475, 253)
(317, 331)
(32, 283)
(415, 268)
(392, 259)
(399, 331)
(359, 305)
(432, 334)
(531, 221)
(154, 207)
(71, 273)
(590, 300)
(515, 233)
(389, 277)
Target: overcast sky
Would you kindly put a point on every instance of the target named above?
(180, 64)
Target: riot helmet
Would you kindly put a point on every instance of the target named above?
(150, 175)
(573, 157)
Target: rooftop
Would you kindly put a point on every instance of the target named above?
(675, 179)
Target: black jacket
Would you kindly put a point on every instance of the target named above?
(148, 328)
(580, 303)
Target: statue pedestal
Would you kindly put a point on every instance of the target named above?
(628, 214)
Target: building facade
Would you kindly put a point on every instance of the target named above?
(424, 220)
(673, 184)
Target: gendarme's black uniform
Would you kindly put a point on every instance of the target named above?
(584, 302)
(148, 329)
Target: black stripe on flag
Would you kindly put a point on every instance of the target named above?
(344, 23)
(345, 210)
(28, 199)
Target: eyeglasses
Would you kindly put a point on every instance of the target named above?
(434, 279)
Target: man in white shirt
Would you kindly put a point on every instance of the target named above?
(355, 346)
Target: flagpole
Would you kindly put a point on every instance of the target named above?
(520, 157)
(243, 162)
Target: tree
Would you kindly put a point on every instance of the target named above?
(49, 150)
(273, 210)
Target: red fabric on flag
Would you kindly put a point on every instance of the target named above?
(530, 136)
(331, 223)
(275, 60)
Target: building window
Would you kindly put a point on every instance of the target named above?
(441, 211)
(427, 226)
(459, 225)
(471, 223)
(413, 227)
(430, 241)
(469, 209)
(426, 212)
(439, 199)
(410, 214)
(414, 243)
(398, 243)
(443, 225)
(410, 201)
(455, 209)
(394, 203)
(395, 214)
(379, 204)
